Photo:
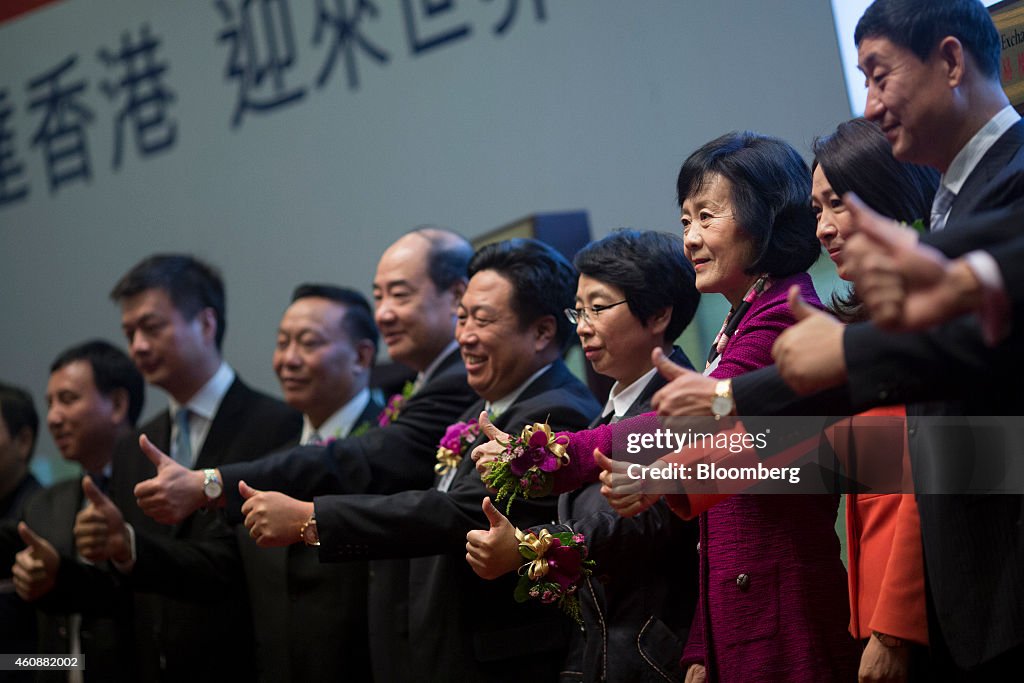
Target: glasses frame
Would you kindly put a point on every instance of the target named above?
(588, 314)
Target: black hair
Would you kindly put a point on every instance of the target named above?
(919, 26)
(652, 271)
(191, 284)
(770, 186)
(358, 319)
(543, 280)
(112, 369)
(858, 158)
(448, 257)
(19, 412)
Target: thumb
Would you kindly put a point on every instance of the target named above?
(490, 431)
(866, 221)
(493, 516)
(92, 492)
(800, 308)
(153, 454)
(246, 491)
(29, 537)
(603, 461)
(666, 367)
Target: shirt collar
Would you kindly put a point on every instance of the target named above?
(338, 425)
(423, 377)
(970, 155)
(621, 399)
(206, 401)
(502, 404)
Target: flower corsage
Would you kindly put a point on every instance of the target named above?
(525, 468)
(394, 405)
(556, 564)
(454, 443)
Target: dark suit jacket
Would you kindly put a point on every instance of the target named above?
(462, 628)
(973, 545)
(191, 608)
(310, 619)
(106, 627)
(394, 458)
(638, 605)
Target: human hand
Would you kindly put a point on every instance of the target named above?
(696, 674)
(100, 531)
(623, 492)
(35, 568)
(905, 285)
(486, 453)
(687, 392)
(881, 663)
(493, 552)
(174, 493)
(809, 355)
(272, 518)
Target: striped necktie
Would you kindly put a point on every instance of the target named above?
(940, 208)
(183, 441)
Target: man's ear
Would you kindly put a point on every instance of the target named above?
(545, 330)
(951, 52)
(365, 354)
(23, 442)
(119, 403)
(208, 324)
(456, 291)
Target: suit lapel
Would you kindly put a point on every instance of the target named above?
(223, 428)
(995, 160)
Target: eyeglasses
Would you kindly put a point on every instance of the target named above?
(587, 315)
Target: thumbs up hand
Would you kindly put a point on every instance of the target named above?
(35, 568)
(272, 518)
(809, 354)
(494, 551)
(687, 392)
(486, 453)
(100, 531)
(174, 493)
(624, 493)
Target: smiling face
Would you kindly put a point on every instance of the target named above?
(319, 368)
(82, 421)
(499, 353)
(834, 220)
(415, 320)
(719, 249)
(909, 99)
(616, 342)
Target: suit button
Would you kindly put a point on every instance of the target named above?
(883, 394)
(743, 582)
(698, 546)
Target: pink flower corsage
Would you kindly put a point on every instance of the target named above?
(555, 566)
(525, 468)
(454, 443)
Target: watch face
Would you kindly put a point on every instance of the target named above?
(310, 534)
(721, 405)
(213, 489)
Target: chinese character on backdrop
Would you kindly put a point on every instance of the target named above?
(61, 133)
(418, 13)
(12, 185)
(346, 37)
(510, 15)
(144, 96)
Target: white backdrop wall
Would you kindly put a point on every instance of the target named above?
(577, 105)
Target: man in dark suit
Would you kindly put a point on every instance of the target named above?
(933, 86)
(95, 395)
(310, 618)
(419, 281)
(511, 332)
(191, 607)
(19, 424)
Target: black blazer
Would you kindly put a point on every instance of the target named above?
(106, 628)
(973, 545)
(462, 628)
(191, 607)
(638, 605)
(395, 458)
(309, 618)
